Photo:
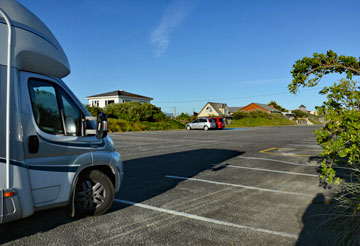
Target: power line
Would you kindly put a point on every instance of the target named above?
(231, 98)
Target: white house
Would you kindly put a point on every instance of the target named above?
(121, 96)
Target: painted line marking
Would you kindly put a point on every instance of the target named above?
(266, 170)
(266, 151)
(313, 146)
(205, 219)
(237, 185)
(266, 159)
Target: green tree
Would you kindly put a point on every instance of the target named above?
(299, 114)
(93, 110)
(340, 137)
(277, 106)
(133, 111)
(240, 115)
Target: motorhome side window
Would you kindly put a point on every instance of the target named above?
(45, 106)
(48, 100)
(72, 115)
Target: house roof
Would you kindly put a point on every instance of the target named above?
(119, 93)
(234, 109)
(267, 107)
(216, 106)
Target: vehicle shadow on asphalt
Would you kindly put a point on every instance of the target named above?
(144, 179)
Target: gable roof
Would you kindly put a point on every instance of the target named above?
(266, 107)
(234, 109)
(119, 93)
(215, 106)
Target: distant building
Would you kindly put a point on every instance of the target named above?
(214, 109)
(303, 108)
(121, 96)
(233, 109)
(289, 115)
(259, 106)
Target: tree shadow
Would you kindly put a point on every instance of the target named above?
(144, 178)
(316, 227)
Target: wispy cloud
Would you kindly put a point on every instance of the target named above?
(174, 15)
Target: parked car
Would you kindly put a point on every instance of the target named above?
(201, 123)
(220, 123)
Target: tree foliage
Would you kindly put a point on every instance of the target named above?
(340, 137)
(133, 111)
(93, 110)
(299, 113)
(240, 115)
(277, 106)
(320, 65)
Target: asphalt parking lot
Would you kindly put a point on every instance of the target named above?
(254, 186)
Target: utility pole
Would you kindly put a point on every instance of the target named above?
(175, 113)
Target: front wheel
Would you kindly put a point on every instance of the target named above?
(206, 128)
(188, 127)
(94, 193)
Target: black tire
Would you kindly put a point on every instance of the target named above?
(188, 128)
(94, 194)
(206, 128)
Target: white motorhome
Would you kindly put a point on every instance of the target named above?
(51, 153)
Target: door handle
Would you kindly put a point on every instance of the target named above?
(33, 144)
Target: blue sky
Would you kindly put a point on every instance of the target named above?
(186, 53)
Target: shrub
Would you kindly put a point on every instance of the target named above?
(119, 125)
(277, 106)
(344, 214)
(300, 114)
(260, 114)
(240, 115)
(93, 110)
(132, 111)
(163, 125)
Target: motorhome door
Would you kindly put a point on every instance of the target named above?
(53, 141)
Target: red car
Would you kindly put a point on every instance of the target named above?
(220, 124)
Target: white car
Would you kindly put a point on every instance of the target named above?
(202, 123)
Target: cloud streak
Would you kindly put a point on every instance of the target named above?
(174, 15)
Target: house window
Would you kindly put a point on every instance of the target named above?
(95, 103)
(209, 109)
(107, 102)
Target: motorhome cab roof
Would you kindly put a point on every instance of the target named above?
(35, 48)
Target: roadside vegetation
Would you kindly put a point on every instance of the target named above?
(132, 116)
(339, 138)
(258, 118)
(300, 115)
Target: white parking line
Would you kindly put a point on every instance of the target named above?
(266, 159)
(266, 170)
(204, 219)
(237, 185)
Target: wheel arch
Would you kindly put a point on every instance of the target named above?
(106, 169)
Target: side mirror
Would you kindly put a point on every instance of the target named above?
(101, 125)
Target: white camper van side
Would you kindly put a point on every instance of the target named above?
(54, 155)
